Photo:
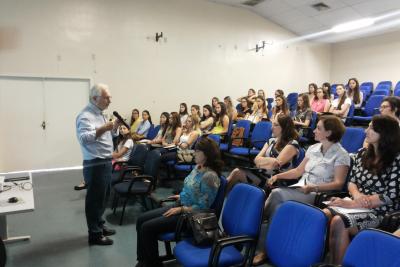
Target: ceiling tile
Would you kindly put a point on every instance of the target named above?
(373, 8)
(338, 16)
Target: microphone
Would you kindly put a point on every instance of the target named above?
(116, 114)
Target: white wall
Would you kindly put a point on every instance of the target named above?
(206, 51)
(368, 59)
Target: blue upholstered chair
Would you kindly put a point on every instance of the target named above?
(353, 139)
(241, 220)
(373, 248)
(371, 108)
(296, 235)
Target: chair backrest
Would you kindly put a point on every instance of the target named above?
(138, 155)
(373, 248)
(373, 103)
(270, 100)
(219, 199)
(261, 134)
(215, 137)
(243, 210)
(353, 139)
(384, 84)
(367, 86)
(381, 91)
(238, 107)
(296, 235)
(292, 100)
(299, 158)
(152, 163)
(396, 92)
(153, 131)
(350, 115)
(333, 89)
(313, 122)
(397, 86)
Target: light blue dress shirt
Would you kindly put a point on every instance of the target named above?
(90, 119)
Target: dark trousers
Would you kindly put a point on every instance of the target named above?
(97, 175)
(149, 226)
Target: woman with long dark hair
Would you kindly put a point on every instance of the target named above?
(245, 109)
(302, 115)
(260, 111)
(341, 105)
(164, 123)
(135, 120)
(320, 103)
(280, 108)
(277, 154)
(199, 192)
(183, 113)
(374, 185)
(354, 93)
(221, 122)
(174, 130)
(207, 121)
(144, 126)
(312, 87)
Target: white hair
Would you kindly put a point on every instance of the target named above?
(97, 90)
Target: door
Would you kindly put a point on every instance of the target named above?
(38, 116)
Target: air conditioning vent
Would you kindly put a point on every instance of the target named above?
(321, 6)
(252, 2)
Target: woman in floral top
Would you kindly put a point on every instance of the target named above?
(199, 192)
(374, 185)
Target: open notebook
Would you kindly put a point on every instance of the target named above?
(347, 210)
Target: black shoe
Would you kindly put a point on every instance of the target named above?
(107, 231)
(80, 187)
(101, 241)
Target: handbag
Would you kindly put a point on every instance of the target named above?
(185, 155)
(204, 227)
(237, 136)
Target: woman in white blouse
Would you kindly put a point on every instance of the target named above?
(341, 105)
(354, 93)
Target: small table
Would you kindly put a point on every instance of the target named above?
(25, 202)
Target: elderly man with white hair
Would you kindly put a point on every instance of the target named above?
(95, 135)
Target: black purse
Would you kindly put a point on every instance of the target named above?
(202, 226)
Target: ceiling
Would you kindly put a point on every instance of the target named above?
(299, 17)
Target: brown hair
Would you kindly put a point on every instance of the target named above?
(354, 93)
(283, 107)
(174, 122)
(212, 153)
(289, 132)
(335, 125)
(342, 98)
(388, 144)
(306, 103)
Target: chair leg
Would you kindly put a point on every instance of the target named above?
(116, 199)
(168, 249)
(123, 210)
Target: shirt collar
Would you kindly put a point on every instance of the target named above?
(95, 109)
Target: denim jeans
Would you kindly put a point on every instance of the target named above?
(97, 175)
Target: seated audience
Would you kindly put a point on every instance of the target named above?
(341, 105)
(260, 111)
(326, 87)
(302, 115)
(164, 123)
(214, 102)
(173, 132)
(324, 168)
(230, 110)
(135, 121)
(183, 113)
(244, 109)
(190, 133)
(207, 121)
(354, 93)
(391, 106)
(221, 122)
(320, 103)
(261, 93)
(199, 192)
(374, 185)
(251, 96)
(144, 126)
(277, 155)
(195, 111)
(280, 108)
(312, 88)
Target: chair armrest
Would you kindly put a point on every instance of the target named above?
(390, 222)
(142, 178)
(229, 241)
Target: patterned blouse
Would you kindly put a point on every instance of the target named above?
(387, 185)
(200, 189)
